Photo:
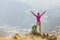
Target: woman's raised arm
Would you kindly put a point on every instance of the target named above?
(33, 13)
(43, 13)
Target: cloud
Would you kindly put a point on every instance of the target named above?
(46, 4)
(44, 19)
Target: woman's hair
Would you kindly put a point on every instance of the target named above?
(38, 13)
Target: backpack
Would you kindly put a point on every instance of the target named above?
(34, 29)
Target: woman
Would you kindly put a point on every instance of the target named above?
(38, 19)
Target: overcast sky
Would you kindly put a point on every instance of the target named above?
(46, 4)
(12, 11)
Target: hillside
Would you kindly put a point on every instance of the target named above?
(31, 36)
